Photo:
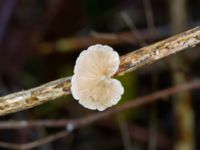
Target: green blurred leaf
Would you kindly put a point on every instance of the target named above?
(130, 84)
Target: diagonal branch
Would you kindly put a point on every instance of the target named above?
(159, 50)
(86, 120)
(83, 121)
(144, 100)
(27, 99)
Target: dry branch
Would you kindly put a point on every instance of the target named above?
(81, 122)
(77, 123)
(36, 143)
(159, 50)
(27, 99)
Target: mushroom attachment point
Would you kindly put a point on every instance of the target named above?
(92, 82)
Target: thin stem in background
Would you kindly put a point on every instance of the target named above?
(81, 122)
(149, 17)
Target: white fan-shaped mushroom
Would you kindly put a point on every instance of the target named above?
(92, 84)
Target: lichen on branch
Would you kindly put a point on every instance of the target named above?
(29, 98)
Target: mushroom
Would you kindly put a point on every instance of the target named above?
(92, 82)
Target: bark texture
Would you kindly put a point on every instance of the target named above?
(29, 98)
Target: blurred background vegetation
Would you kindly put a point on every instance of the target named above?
(41, 39)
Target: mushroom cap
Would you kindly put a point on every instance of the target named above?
(92, 84)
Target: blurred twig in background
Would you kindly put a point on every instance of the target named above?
(34, 144)
(65, 45)
(183, 110)
(5, 15)
(81, 122)
(149, 17)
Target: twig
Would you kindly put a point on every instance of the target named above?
(149, 17)
(27, 99)
(5, 15)
(123, 126)
(184, 112)
(78, 123)
(140, 134)
(159, 50)
(130, 23)
(69, 44)
(37, 143)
